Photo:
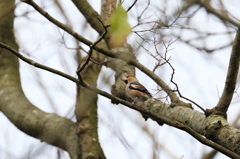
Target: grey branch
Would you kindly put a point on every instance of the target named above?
(231, 79)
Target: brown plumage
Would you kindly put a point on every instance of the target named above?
(136, 90)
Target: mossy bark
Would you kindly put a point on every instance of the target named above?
(86, 111)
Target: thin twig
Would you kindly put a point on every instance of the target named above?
(139, 17)
(177, 89)
(59, 24)
(132, 5)
(91, 48)
(223, 17)
(173, 71)
(207, 50)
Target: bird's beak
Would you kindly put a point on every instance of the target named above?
(124, 79)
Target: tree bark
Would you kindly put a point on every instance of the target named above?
(86, 111)
(47, 127)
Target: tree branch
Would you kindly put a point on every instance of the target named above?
(112, 54)
(132, 5)
(86, 102)
(231, 79)
(224, 17)
(90, 14)
(206, 141)
(91, 49)
(35, 64)
(47, 127)
(92, 18)
(179, 117)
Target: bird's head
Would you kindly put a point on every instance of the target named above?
(129, 78)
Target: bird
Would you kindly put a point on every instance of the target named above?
(135, 90)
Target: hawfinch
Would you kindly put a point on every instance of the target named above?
(135, 90)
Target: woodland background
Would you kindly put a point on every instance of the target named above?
(195, 37)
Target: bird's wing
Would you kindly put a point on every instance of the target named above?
(137, 86)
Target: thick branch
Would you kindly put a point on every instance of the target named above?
(86, 111)
(92, 18)
(231, 79)
(47, 127)
(195, 123)
(86, 105)
(90, 14)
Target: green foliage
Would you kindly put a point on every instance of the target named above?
(120, 28)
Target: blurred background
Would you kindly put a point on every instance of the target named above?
(197, 44)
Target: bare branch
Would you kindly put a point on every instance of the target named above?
(206, 141)
(91, 48)
(57, 23)
(154, 114)
(31, 62)
(139, 17)
(91, 15)
(208, 50)
(179, 90)
(132, 5)
(231, 79)
(224, 17)
(173, 70)
(134, 62)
